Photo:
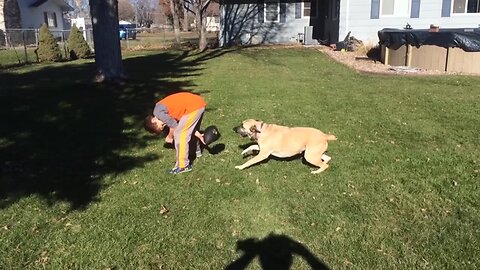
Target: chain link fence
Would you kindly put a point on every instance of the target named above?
(17, 46)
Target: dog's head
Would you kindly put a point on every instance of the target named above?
(249, 128)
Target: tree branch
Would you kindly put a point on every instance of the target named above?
(186, 5)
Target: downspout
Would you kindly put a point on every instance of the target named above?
(221, 32)
(347, 17)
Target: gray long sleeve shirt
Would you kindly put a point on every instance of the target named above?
(161, 112)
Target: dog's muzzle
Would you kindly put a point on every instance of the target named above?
(241, 130)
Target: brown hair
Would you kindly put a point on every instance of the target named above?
(150, 126)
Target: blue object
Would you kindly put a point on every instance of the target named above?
(127, 31)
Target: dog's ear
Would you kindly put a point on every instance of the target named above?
(254, 129)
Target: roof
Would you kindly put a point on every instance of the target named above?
(124, 22)
(63, 5)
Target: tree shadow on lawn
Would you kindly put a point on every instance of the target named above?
(61, 134)
(275, 252)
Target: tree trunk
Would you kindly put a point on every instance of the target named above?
(11, 14)
(202, 37)
(108, 54)
(176, 21)
(185, 18)
(10, 19)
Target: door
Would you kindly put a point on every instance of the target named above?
(331, 20)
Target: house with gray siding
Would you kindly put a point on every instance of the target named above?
(31, 14)
(328, 21)
(19, 19)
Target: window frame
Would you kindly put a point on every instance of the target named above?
(303, 9)
(265, 17)
(396, 15)
(50, 15)
(464, 13)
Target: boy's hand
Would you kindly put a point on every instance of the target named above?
(200, 137)
(169, 139)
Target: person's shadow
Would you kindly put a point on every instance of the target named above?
(275, 252)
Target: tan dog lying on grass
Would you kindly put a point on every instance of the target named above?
(283, 142)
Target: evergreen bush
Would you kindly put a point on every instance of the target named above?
(48, 50)
(77, 46)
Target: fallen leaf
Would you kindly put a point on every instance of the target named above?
(163, 209)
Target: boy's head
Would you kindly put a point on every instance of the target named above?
(153, 125)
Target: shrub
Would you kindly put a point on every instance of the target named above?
(48, 50)
(77, 46)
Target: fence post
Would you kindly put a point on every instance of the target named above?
(6, 38)
(24, 46)
(64, 45)
(36, 36)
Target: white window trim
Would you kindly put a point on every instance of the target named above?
(464, 13)
(53, 17)
(265, 10)
(303, 9)
(406, 15)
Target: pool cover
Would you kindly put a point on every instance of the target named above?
(466, 38)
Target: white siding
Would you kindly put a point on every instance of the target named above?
(2, 20)
(355, 17)
(246, 29)
(32, 17)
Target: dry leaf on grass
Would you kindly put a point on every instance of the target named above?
(163, 209)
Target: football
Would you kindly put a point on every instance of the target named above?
(211, 134)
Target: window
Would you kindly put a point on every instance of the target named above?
(50, 18)
(395, 8)
(271, 11)
(466, 6)
(309, 9)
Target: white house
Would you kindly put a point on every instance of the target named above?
(85, 26)
(31, 14)
(365, 17)
(212, 23)
(328, 21)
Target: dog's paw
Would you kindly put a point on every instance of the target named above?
(245, 152)
(239, 167)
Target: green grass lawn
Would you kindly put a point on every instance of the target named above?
(16, 56)
(83, 186)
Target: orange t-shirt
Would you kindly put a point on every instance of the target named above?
(180, 104)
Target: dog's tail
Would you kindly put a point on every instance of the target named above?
(331, 137)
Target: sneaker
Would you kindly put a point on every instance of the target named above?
(180, 170)
(198, 153)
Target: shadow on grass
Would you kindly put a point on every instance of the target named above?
(62, 136)
(274, 252)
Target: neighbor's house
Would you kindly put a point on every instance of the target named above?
(31, 14)
(328, 21)
(212, 23)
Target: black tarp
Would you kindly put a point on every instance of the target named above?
(467, 39)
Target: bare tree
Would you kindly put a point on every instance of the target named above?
(108, 54)
(176, 21)
(185, 17)
(145, 11)
(126, 11)
(81, 8)
(199, 8)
